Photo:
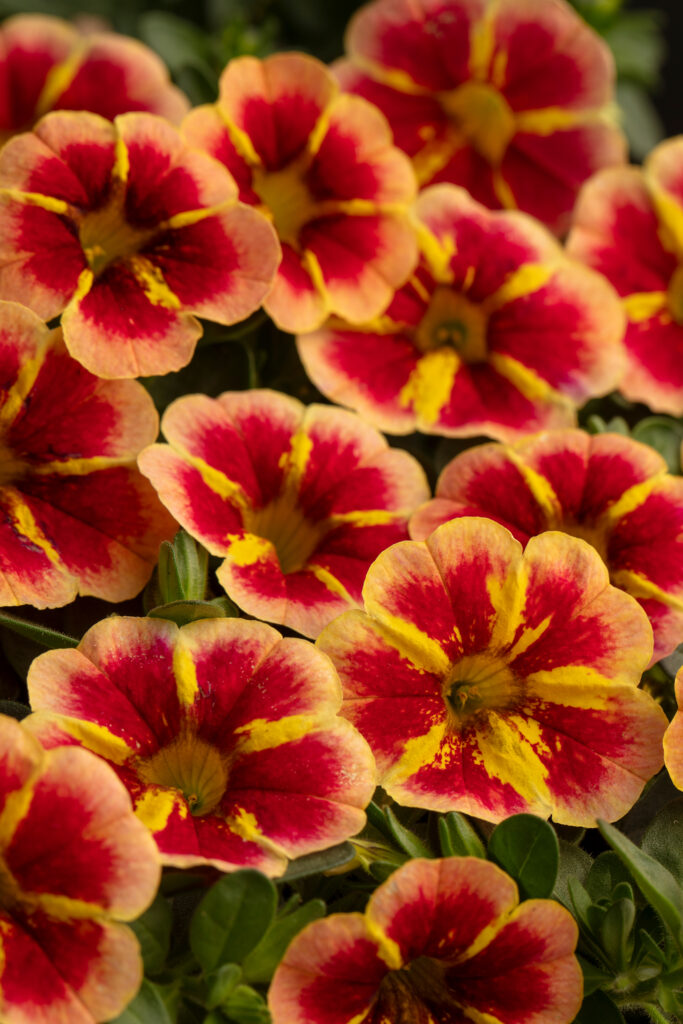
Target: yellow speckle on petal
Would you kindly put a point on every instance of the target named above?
(430, 384)
(509, 749)
(185, 675)
(642, 306)
(529, 278)
(243, 823)
(156, 806)
(249, 549)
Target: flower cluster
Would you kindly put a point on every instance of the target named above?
(440, 232)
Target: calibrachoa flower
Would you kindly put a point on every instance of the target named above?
(76, 516)
(610, 490)
(673, 738)
(440, 942)
(323, 167)
(496, 333)
(628, 225)
(492, 680)
(514, 101)
(127, 231)
(297, 500)
(225, 734)
(74, 862)
(48, 64)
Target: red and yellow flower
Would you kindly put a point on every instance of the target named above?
(127, 232)
(496, 333)
(47, 64)
(609, 490)
(492, 680)
(323, 168)
(74, 862)
(514, 101)
(76, 515)
(225, 734)
(440, 941)
(673, 738)
(628, 224)
(297, 500)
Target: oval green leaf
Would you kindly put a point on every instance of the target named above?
(527, 848)
(232, 918)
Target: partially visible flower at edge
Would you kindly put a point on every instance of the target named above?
(514, 101)
(76, 515)
(440, 940)
(673, 738)
(628, 224)
(74, 863)
(609, 490)
(130, 234)
(48, 64)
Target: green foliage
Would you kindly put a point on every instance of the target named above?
(527, 848)
(458, 838)
(232, 918)
(153, 931)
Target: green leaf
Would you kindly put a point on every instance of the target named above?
(49, 638)
(177, 41)
(260, 964)
(607, 872)
(317, 863)
(182, 612)
(597, 425)
(616, 932)
(220, 984)
(642, 124)
(665, 436)
(598, 1008)
(182, 569)
(149, 1007)
(527, 848)
(663, 839)
(232, 918)
(580, 901)
(654, 881)
(637, 42)
(458, 838)
(14, 709)
(574, 863)
(153, 931)
(593, 977)
(245, 1006)
(404, 838)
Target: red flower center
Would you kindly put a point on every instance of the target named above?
(191, 765)
(452, 321)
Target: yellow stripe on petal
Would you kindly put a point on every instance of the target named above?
(121, 167)
(156, 806)
(504, 193)
(363, 517)
(540, 488)
(26, 378)
(548, 120)
(262, 734)
(78, 467)
(418, 752)
(429, 386)
(58, 80)
(632, 498)
(388, 949)
(482, 45)
(26, 525)
(36, 199)
(670, 214)
(329, 581)
(508, 750)
(189, 217)
(185, 674)
(294, 461)
(640, 587)
(217, 481)
(424, 653)
(62, 908)
(245, 825)
(249, 549)
(526, 280)
(531, 386)
(576, 686)
(240, 139)
(152, 282)
(641, 306)
(438, 252)
(93, 736)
